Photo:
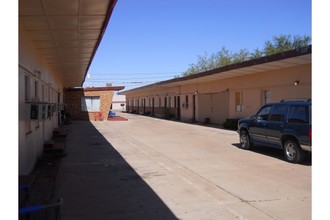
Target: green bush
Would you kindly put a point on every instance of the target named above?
(231, 123)
(167, 114)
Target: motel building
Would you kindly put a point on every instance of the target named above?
(230, 92)
(57, 42)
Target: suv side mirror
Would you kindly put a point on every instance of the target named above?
(260, 118)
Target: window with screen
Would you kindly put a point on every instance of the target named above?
(239, 101)
(90, 103)
(298, 114)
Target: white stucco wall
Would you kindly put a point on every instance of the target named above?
(33, 133)
(119, 103)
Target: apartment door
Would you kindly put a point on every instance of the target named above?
(153, 107)
(194, 109)
(178, 109)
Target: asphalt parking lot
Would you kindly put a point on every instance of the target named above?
(148, 168)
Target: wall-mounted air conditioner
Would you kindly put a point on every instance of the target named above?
(49, 110)
(44, 111)
(54, 108)
(34, 111)
(31, 111)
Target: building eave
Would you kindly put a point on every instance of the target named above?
(105, 24)
(106, 88)
(281, 60)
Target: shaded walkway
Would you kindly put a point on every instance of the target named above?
(97, 183)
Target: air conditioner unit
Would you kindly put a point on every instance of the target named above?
(44, 111)
(54, 108)
(49, 110)
(33, 111)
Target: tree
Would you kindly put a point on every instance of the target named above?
(284, 43)
(242, 55)
(257, 54)
(224, 57)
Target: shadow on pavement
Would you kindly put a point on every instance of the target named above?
(96, 182)
(275, 153)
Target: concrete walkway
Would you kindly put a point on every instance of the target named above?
(96, 182)
(147, 168)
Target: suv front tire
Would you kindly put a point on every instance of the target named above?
(245, 140)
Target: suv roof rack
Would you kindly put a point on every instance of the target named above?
(297, 100)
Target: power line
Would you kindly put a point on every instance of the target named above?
(128, 74)
(130, 78)
(124, 82)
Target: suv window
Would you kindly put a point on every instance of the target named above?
(264, 113)
(278, 113)
(298, 114)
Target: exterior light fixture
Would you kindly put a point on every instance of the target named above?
(196, 92)
(296, 82)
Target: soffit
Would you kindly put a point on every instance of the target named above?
(66, 33)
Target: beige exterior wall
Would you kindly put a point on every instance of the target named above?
(40, 86)
(217, 100)
(279, 84)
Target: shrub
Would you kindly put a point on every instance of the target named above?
(231, 123)
(167, 114)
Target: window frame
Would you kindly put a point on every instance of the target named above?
(94, 106)
(265, 97)
(299, 120)
(260, 116)
(278, 113)
(27, 88)
(239, 101)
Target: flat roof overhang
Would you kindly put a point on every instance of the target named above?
(283, 60)
(66, 33)
(93, 89)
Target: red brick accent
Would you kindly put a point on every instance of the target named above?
(72, 98)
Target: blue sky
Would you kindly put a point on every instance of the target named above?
(153, 40)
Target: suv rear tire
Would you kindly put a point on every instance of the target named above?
(292, 151)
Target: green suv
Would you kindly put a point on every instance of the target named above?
(285, 125)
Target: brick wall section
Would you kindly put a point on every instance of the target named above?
(72, 99)
(105, 102)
